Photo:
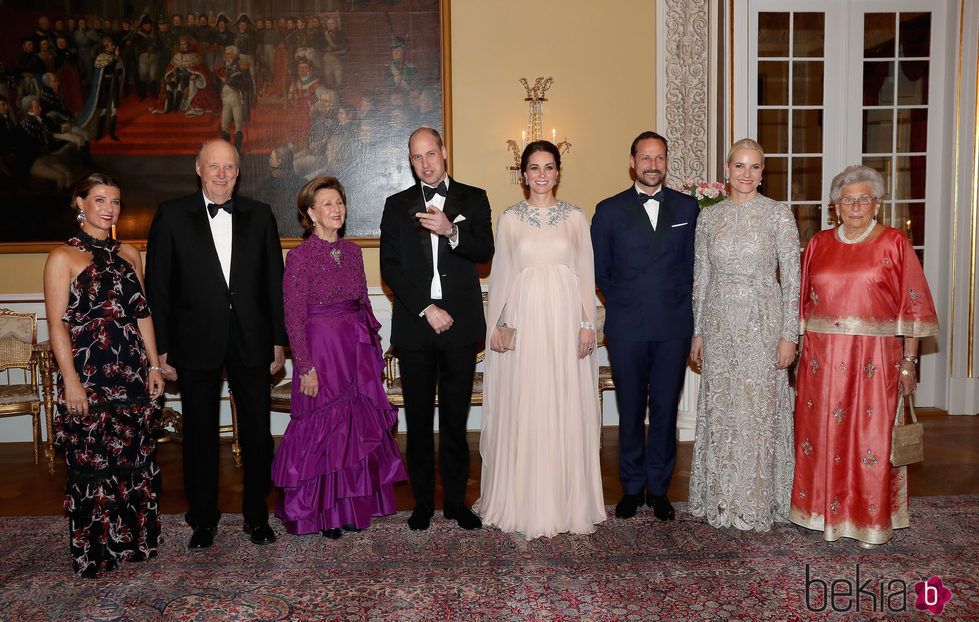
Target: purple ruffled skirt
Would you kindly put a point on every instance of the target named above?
(338, 457)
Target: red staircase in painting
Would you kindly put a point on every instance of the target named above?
(143, 133)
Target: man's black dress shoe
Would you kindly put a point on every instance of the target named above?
(464, 516)
(627, 506)
(421, 517)
(202, 538)
(662, 508)
(332, 534)
(259, 534)
(351, 527)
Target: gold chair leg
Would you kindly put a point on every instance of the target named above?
(601, 418)
(37, 437)
(235, 447)
(47, 391)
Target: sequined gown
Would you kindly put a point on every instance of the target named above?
(741, 473)
(540, 424)
(858, 302)
(113, 477)
(338, 458)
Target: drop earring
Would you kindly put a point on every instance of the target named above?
(81, 217)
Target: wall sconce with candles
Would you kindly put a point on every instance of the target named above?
(535, 123)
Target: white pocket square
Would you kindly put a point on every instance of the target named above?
(679, 224)
(460, 218)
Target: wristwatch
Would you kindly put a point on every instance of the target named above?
(453, 232)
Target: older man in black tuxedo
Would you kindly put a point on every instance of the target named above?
(432, 237)
(214, 282)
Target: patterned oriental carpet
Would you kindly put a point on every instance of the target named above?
(639, 569)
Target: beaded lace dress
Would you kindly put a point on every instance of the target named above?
(746, 298)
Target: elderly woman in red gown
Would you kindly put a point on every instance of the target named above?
(865, 304)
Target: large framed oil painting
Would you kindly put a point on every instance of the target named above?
(303, 88)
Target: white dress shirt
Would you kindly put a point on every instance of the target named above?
(438, 201)
(221, 232)
(652, 205)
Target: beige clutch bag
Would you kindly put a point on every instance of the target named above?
(509, 335)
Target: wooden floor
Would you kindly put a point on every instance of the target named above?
(951, 467)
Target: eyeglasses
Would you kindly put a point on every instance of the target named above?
(863, 201)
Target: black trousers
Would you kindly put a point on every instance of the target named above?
(200, 393)
(450, 368)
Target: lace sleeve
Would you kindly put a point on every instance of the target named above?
(701, 271)
(787, 248)
(295, 293)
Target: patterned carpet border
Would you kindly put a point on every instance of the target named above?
(638, 569)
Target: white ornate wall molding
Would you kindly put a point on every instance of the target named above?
(684, 43)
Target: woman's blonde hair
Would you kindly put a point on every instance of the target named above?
(745, 143)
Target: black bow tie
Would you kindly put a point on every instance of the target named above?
(657, 196)
(431, 192)
(212, 208)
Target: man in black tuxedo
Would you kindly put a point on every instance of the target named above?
(643, 242)
(432, 237)
(214, 282)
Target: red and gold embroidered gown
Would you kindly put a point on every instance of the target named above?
(858, 302)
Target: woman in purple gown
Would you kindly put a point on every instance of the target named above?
(338, 458)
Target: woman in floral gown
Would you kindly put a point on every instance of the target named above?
(107, 419)
(540, 427)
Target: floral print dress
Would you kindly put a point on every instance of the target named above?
(113, 477)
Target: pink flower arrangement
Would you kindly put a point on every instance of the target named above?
(706, 193)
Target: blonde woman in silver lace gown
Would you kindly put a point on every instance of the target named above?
(746, 325)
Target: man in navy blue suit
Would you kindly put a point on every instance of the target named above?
(643, 241)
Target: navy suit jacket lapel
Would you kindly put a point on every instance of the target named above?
(664, 220)
(637, 214)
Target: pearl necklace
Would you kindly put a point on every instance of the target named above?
(860, 238)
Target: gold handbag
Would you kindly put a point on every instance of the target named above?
(907, 439)
(509, 335)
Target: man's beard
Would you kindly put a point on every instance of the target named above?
(643, 180)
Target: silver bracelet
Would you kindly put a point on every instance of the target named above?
(155, 368)
(911, 359)
(588, 325)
